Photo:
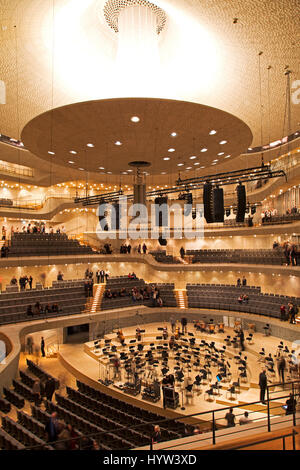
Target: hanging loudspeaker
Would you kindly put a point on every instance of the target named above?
(208, 202)
(161, 218)
(241, 203)
(218, 205)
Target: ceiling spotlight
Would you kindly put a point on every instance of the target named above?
(166, 158)
(180, 164)
(109, 172)
(118, 142)
(173, 134)
(171, 150)
(188, 168)
(216, 160)
(135, 119)
(221, 153)
(212, 132)
(227, 156)
(193, 157)
(204, 150)
(196, 163)
(81, 169)
(163, 173)
(51, 153)
(90, 145)
(223, 142)
(70, 161)
(101, 167)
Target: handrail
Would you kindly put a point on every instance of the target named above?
(276, 436)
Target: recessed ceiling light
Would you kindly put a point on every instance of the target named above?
(213, 163)
(223, 142)
(163, 173)
(193, 157)
(196, 163)
(188, 167)
(216, 160)
(124, 173)
(73, 152)
(212, 132)
(171, 150)
(166, 158)
(118, 142)
(101, 167)
(204, 150)
(81, 169)
(173, 134)
(135, 119)
(51, 153)
(221, 153)
(70, 161)
(227, 156)
(180, 164)
(90, 145)
(202, 166)
(109, 172)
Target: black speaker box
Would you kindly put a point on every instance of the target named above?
(241, 203)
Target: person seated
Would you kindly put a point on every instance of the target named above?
(240, 299)
(165, 333)
(13, 281)
(159, 302)
(171, 342)
(121, 337)
(244, 419)
(47, 309)
(138, 334)
(54, 308)
(197, 325)
(275, 244)
(246, 299)
(60, 276)
(146, 295)
(29, 311)
(290, 405)
(37, 308)
(108, 294)
(122, 292)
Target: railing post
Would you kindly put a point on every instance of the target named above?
(268, 403)
(213, 427)
(283, 443)
(151, 444)
(294, 441)
(294, 407)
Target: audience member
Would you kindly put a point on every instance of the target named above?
(245, 419)
(230, 418)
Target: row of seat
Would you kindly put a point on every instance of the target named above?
(41, 373)
(132, 410)
(22, 434)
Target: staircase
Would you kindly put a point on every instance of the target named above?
(181, 298)
(93, 304)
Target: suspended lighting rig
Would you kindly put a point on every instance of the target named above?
(190, 184)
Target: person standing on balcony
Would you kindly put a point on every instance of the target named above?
(263, 385)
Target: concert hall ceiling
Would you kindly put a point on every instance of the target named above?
(56, 53)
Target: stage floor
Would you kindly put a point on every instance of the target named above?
(80, 360)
